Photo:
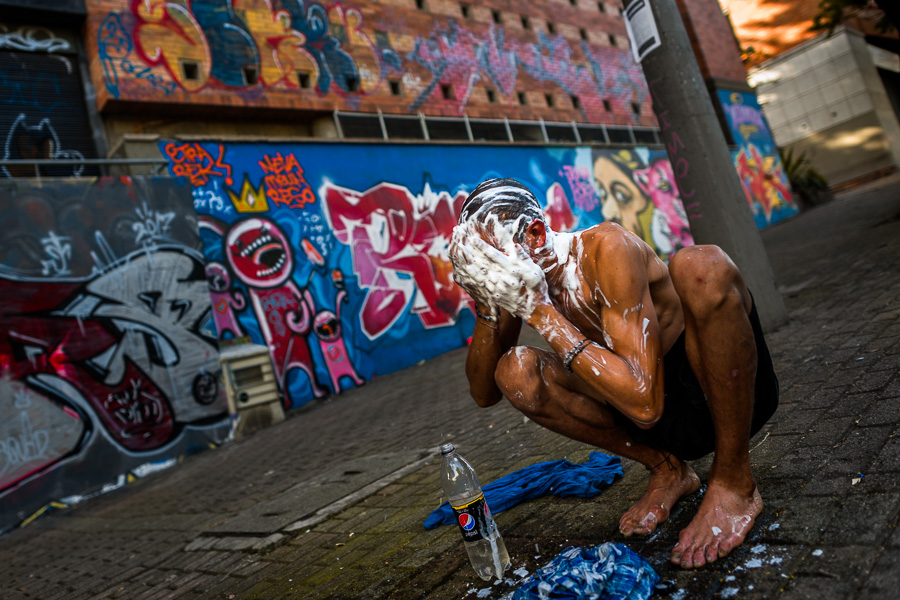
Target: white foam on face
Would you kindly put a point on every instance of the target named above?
(716, 531)
(503, 276)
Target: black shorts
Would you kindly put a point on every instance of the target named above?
(686, 427)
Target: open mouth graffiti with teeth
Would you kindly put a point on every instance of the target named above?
(258, 253)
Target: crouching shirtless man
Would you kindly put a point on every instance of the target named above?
(657, 364)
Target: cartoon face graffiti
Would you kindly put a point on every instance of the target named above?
(327, 326)
(259, 254)
(621, 199)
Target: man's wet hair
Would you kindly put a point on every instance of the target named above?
(508, 200)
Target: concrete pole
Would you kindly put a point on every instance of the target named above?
(704, 171)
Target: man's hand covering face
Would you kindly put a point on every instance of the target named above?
(509, 279)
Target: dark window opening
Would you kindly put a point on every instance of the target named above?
(447, 129)
(618, 135)
(420, 4)
(352, 84)
(645, 136)
(612, 40)
(573, 2)
(361, 126)
(522, 99)
(304, 80)
(447, 91)
(559, 133)
(405, 128)
(488, 131)
(395, 87)
(551, 28)
(589, 133)
(576, 103)
(551, 101)
(636, 108)
(526, 22)
(601, 7)
(526, 132)
(495, 15)
(190, 70)
(606, 105)
(339, 33)
(583, 34)
(466, 11)
(251, 76)
(491, 96)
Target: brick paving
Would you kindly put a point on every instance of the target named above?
(827, 466)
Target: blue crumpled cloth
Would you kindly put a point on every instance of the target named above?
(559, 478)
(605, 572)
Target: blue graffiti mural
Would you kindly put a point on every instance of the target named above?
(344, 272)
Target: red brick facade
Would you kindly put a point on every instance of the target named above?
(713, 40)
(559, 60)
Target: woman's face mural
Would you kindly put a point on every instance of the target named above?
(259, 253)
(622, 201)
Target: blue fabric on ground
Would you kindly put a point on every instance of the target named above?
(559, 478)
(606, 572)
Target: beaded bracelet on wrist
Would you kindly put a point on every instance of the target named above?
(488, 318)
(571, 354)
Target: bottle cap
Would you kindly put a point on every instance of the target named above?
(447, 449)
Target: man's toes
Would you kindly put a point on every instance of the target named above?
(699, 557)
(712, 552)
(647, 524)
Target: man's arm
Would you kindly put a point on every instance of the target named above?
(490, 341)
(626, 370)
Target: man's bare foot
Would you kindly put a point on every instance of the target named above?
(720, 525)
(669, 482)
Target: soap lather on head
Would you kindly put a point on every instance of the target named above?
(504, 201)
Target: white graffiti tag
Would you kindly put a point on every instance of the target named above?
(152, 227)
(60, 251)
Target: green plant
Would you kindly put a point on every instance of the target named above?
(807, 182)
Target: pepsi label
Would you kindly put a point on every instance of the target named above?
(474, 519)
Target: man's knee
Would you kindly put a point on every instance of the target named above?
(519, 377)
(706, 279)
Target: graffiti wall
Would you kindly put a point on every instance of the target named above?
(290, 54)
(108, 358)
(756, 159)
(42, 109)
(336, 256)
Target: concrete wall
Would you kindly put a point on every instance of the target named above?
(108, 368)
(826, 96)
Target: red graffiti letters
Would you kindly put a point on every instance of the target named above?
(194, 162)
(284, 180)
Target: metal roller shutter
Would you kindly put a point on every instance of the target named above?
(42, 103)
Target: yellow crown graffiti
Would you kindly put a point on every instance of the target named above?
(250, 199)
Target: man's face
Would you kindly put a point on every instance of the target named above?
(620, 197)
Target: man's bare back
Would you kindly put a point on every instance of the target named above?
(610, 310)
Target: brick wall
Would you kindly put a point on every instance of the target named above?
(559, 60)
(713, 41)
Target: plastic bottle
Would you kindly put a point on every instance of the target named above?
(485, 546)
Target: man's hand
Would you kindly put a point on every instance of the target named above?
(510, 280)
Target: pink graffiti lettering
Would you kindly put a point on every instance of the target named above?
(583, 194)
(393, 232)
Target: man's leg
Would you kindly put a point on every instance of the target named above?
(537, 384)
(722, 351)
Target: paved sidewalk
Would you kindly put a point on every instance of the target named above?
(330, 503)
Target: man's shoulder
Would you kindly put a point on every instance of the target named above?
(608, 235)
